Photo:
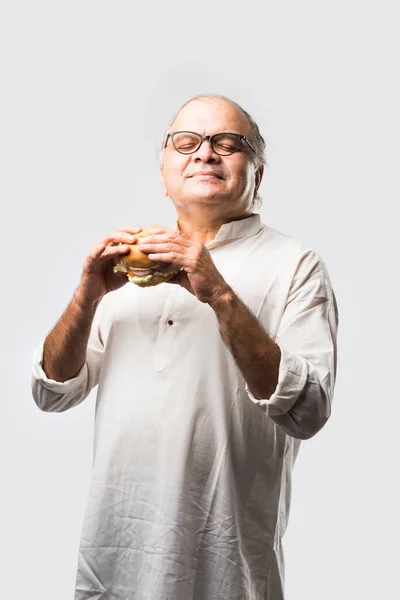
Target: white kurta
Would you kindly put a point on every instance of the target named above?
(190, 491)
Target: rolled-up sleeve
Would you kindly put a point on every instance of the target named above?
(307, 337)
(57, 396)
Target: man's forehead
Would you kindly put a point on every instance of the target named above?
(208, 115)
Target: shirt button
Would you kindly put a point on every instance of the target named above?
(170, 322)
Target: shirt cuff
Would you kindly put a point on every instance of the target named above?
(291, 381)
(52, 384)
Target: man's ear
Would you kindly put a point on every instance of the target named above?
(259, 176)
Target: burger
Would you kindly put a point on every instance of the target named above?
(140, 269)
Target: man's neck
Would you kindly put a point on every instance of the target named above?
(204, 229)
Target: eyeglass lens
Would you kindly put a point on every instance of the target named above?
(222, 143)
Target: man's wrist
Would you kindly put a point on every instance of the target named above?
(223, 300)
(85, 303)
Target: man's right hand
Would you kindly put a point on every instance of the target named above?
(98, 277)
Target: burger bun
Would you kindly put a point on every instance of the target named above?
(140, 269)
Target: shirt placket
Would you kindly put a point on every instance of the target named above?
(168, 328)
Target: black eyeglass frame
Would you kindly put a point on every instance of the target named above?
(239, 136)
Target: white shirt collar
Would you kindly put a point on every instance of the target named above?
(239, 229)
(235, 230)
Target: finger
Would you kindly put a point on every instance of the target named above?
(161, 248)
(158, 230)
(119, 237)
(130, 229)
(171, 257)
(114, 251)
(182, 279)
(179, 278)
(97, 251)
(165, 238)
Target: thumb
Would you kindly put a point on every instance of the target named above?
(182, 279)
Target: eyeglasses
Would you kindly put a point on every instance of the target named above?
(224, 144)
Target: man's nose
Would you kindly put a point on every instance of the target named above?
(205, 153)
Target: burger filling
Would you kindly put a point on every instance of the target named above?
(139, 272)
(143, 275)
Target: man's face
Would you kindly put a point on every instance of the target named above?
(224, 182)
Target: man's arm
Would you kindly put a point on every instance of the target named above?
(64, 349)
(256, 354)
(292, 380)
(307, 337)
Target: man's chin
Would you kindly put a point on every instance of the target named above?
(205, 193)
(207, 183)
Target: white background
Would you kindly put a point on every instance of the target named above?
(87, 89)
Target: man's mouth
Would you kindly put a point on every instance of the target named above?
(211, 174)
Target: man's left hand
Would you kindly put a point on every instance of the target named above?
(199, 274)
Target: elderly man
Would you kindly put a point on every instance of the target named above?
(206, 384)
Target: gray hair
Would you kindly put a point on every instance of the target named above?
(255, 137)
